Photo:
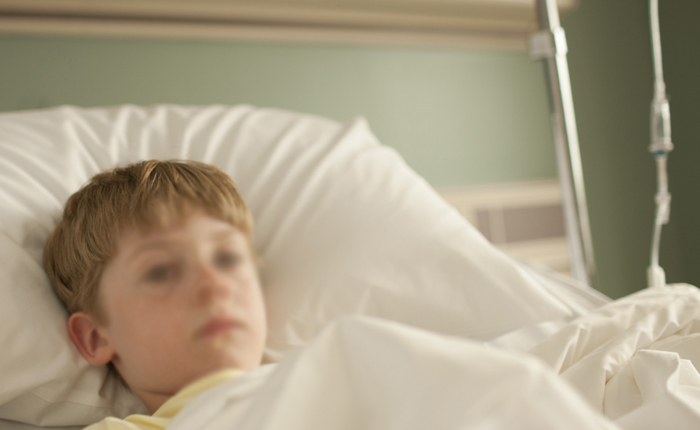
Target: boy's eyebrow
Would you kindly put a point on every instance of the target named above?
(224, 235)
(218, 236)
(157, 244)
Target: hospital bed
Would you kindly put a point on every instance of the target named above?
(364, 266)
(344, 227)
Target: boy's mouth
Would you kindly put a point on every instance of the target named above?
(216, 326)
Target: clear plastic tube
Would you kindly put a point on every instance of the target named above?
(663, 202)
(659, 85)
(660, 146)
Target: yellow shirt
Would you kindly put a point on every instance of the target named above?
(162, 417)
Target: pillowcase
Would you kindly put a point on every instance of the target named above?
(342, 224)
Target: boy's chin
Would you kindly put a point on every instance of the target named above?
(230, 361)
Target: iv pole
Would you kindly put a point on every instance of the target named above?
(549, 45)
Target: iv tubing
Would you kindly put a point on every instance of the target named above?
(660, 146)
(659, 85)
(662, 209)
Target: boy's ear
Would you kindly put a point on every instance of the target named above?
(90, 340)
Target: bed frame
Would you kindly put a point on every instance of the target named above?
(500, 24)
(549, 45)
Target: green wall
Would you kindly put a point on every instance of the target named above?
(458, 116)
(612, 77)
(680, 34)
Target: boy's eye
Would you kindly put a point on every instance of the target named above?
(226, 259)
(160, 273)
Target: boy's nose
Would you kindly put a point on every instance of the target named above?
(209, 285)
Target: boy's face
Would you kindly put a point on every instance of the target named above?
(182, 302)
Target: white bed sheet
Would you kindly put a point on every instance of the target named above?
(635, 359)
(579, 298)
(367, 373)
(630, 364)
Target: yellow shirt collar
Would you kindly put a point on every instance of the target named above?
(173, 405)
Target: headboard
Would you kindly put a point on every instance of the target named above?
(504, 24)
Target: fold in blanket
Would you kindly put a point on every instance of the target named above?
(636, 359)
(365, 373)
(631, 364)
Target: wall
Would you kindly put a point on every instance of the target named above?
(458, 116)
(681, 54)
(612, 76)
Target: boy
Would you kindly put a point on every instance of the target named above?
(155, 265)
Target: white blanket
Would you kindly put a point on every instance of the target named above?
(636, 359)
(364, 373)
(630, 364)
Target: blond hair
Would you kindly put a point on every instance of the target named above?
(141, 196)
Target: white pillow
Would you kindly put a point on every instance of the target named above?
(342, 225)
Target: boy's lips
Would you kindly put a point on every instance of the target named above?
(216, 326)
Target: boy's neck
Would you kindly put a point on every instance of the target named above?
(152, 401)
